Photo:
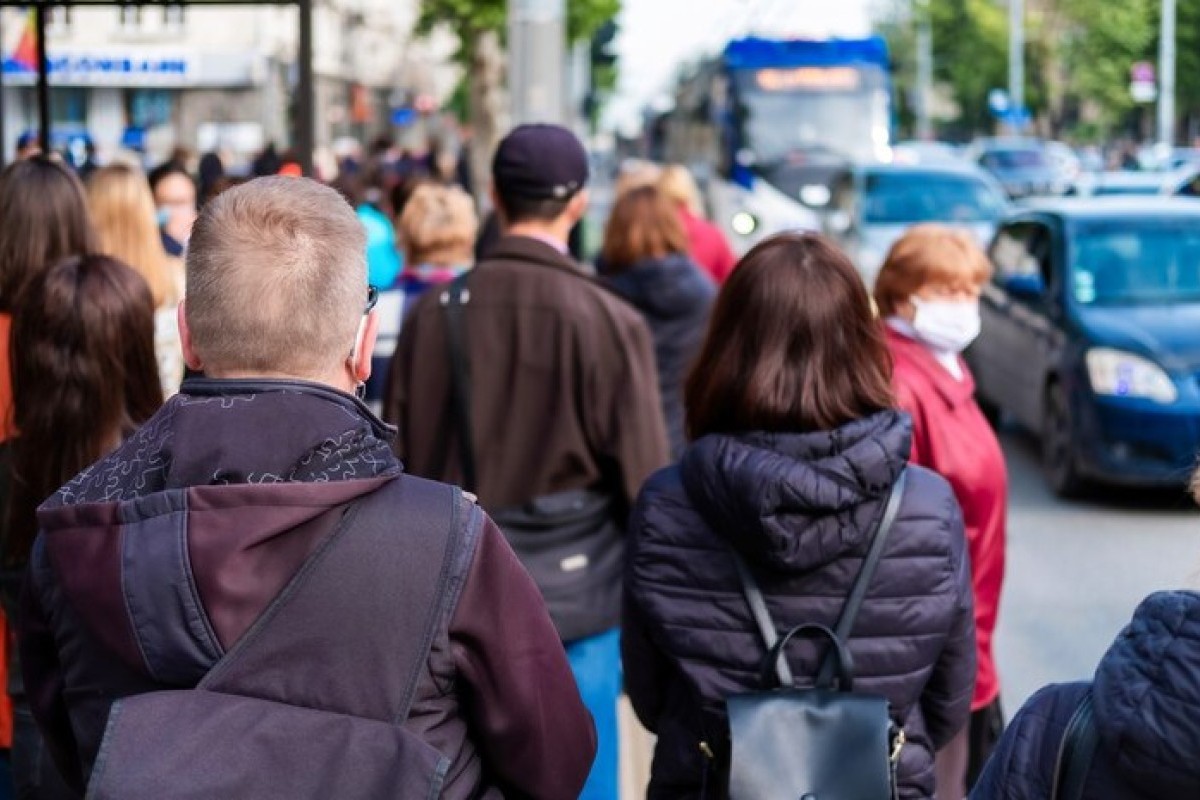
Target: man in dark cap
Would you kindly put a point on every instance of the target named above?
(535, 387)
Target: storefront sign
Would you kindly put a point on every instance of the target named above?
(110, 68)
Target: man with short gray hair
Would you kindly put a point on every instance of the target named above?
(277, 609)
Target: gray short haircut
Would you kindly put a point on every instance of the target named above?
(276, 278)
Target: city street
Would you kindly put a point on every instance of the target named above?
(1076, 571)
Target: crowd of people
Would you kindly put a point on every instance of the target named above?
(233, 563)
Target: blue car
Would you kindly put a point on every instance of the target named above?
(1091, 337)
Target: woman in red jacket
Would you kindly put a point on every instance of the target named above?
(928, 295)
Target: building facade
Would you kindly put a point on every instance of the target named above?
(153, 78)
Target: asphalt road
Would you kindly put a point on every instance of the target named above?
(1077, 570)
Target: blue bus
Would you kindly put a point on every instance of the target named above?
(774, 121)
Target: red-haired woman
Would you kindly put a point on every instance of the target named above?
(84, 376)
(795, 449)
(928, 294)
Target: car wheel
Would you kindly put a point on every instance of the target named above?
(1059, 445)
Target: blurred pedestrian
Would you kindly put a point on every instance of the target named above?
(549, 412)
(927, 293)
(645, 260)
(175, 200)
(84, 378)
(266, 162)
(706, 243)
(266, 503)
(796, 446)
(438, 230)
(383, 258)
(123, 213)
(44, 219)
(1143, 698)
(28, 145)
(212, 169)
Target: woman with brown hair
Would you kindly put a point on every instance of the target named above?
(795, 448)
(928, 294)
(43, 219)
(645, 260)
(84, 377)
(122, 208)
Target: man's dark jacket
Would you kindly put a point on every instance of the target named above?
(675, 299)
(799, 508)
(268, 469)
(564, 391)
(1146, 699)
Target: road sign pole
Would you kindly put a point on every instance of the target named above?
(924, 72)
(1016, 54)
(1166, 66)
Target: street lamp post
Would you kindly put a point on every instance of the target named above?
(537, 60)
(1166, 66)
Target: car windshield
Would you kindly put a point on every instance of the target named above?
(1136, 264)
(1014, 159)
(910, 197)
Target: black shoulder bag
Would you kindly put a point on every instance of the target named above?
(826, 742)
(570, 542)
(1076, 752)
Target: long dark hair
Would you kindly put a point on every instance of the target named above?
(43, 219)
(793, 345)
(84, 375)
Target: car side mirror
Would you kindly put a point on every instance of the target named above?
(1025, 287)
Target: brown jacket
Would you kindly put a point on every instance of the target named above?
(564, 390)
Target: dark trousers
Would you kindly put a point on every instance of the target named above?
(34, 773)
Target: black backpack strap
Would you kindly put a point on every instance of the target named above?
(453, 298)
(1075, 754)
(845, 623)
(352, 630)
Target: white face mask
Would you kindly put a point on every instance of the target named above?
(946, 325)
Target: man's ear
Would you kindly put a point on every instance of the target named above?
(185, 340)
(361, 365)
(579, 205)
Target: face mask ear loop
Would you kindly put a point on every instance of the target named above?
(357, 340)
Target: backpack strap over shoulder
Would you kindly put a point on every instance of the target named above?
(353, 629)
(1076, 752)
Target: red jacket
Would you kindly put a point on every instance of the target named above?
(951, 437)
(708, 247)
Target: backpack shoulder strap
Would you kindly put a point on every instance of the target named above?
(1076, 752)
(352, 630)
(452, 300)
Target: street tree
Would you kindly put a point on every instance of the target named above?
(480, 27)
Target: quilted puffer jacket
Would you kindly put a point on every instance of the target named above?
(799, 508)
(1146, 696)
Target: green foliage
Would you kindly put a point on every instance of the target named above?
(469, 18)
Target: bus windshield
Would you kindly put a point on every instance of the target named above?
(788, 112)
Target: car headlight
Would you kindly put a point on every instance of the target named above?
(1121, 374)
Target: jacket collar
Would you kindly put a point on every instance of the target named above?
(528, 250)
(953, 392)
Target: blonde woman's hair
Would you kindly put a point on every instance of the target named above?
(635, 175)
(680, 187)
(438, 226)
(124, 216)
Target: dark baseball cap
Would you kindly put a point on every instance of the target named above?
(540, 162)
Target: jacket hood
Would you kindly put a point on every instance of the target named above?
(798, 501)
(172, 545)
(1147, 697)
(666, 288)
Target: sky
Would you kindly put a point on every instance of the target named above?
(659, 36)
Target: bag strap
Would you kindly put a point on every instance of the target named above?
(370, 598)
(1076, 752)
(845, 623)
(452, 300)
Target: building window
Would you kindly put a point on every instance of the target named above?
(59, 21)
(173, 17)
(131, 18)
(148, 108)
(68, 106)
